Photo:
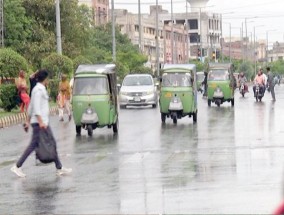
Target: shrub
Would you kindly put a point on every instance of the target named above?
(53, 89)
(57, 64)
(8, 95)
(80, 60)
(10, 63)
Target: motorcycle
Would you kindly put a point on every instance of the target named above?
(243, 89)
(258, 93)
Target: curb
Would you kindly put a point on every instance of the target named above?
(20, 118)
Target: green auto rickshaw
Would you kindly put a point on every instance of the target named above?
(94, 98)
(178, 94)
(221, 83)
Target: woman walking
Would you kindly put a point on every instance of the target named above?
(63, 98)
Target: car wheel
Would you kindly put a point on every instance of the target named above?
(154, 105)
(122, 106)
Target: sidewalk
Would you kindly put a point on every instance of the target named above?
(18, 118)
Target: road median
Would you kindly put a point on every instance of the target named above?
(18, 118)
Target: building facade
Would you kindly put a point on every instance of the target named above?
(277, 52)
(129, 24)
(100, 10)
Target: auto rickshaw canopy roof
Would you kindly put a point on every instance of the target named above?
(220, 65)
(191, 67)
(96, 68)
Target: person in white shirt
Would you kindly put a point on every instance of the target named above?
(38, 117)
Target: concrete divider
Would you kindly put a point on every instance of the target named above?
(20, 118)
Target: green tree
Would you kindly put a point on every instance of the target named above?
(11, 62)
(57, 64)
(80, 60)
(277, 67)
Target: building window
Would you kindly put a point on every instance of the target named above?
(194, 38)
(136, 28)
(193, 24)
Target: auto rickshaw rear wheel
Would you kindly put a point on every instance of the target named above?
(194, 116)
(78, 130)
(232, 102)
(163, 117)
(90, 130)
(115, 126)
(209, 102)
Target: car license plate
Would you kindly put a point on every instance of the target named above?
(137, 99)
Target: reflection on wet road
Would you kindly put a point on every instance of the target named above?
(229, 162)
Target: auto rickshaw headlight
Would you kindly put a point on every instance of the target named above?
(89, 111)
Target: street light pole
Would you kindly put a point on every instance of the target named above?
(187, 40)
(140, 26)
(230, 42)
(157, 41)
(172, 33)
(58, 27)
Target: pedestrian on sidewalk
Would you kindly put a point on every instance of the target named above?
(271, 83)
(63, 98)
(22, 88)
(33, 81)
(38, 117)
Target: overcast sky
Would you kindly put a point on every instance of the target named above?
(269, 13)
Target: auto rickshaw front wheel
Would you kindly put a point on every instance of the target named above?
(232, 102)
(90, 130)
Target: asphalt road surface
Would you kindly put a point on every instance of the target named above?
(231, 161)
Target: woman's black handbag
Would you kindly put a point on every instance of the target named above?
(46, 149)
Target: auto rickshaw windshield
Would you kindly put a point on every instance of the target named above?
(133, 80)
(218, 75)
(91, 86)
(176, 80)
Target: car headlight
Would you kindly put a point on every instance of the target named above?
(148, 93)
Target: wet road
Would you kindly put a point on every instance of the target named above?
(231, 161)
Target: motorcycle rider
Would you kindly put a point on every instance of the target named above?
(259, 79)
(243, 80)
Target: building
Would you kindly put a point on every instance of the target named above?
(240, 49)
(100, 10)
(204, 31)
(129, 24)
(277, 52)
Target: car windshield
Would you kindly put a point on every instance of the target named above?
(137, 81)
(90, 86)
(218, 75)
(176, 80)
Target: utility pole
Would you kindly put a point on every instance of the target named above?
(113, 32)
(157, 41)
(200, 35)
(230, 43)
(140, 27)
(187, 41)
(172, 33)
(1, 24)
(58, 28)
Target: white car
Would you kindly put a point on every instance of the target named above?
(138, 90)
